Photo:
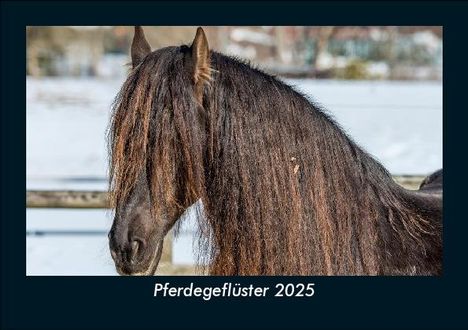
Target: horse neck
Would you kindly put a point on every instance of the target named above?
(271, 145)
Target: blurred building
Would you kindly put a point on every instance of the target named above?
(348, 52)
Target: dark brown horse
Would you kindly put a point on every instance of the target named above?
(284, 190)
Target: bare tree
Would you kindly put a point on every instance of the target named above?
(323, 37)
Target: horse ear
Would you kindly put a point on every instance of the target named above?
(201, 62)
(140, 47)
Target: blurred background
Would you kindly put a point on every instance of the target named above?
(382, 84)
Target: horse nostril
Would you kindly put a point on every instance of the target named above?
(135, 246)
(114, 255)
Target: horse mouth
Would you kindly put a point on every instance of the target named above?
(152, 267)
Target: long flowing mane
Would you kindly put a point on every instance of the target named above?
(284, 189)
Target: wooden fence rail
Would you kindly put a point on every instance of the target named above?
(99, 200)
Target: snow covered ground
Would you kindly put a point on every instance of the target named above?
(398, 122)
